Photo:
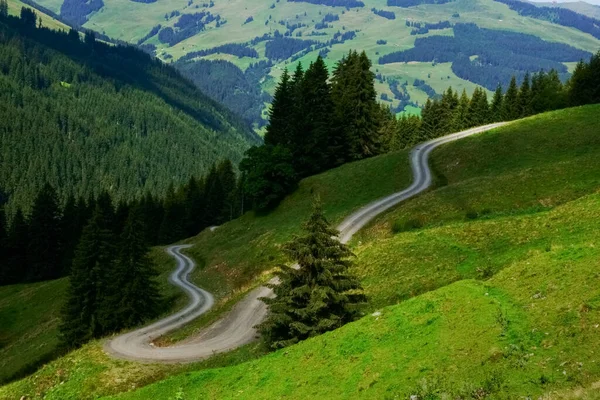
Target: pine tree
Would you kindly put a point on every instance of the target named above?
(510, 108)
(281, 113)
(320, 295)
(312, 152)
(17, 248)
(195, 206)
(461, 115)
(354, 97)
(89, 282)
(134, 296)
(524, 98)
(45, 234)
(448, 105)
(172, 227)
(228, 183)
(497, 104)
(580, 91)
(71, 226)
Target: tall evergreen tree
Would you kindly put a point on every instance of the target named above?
(319, 295)
(355, 102)
(281, 113)
(134, 296)
(524, 98)
(448, 105)
(510, 108)
(195, 205)
(17, 248)
(89, 283)
(312, 152)
(461, 115)
(44, 236)
(71, 227)
(172, 227)
(497, 104)
(228, 182)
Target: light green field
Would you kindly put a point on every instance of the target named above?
(14, 8)
(518, 202)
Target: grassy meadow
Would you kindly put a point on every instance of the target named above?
(514, 215)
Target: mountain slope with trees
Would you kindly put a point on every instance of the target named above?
(93, 117)
(250, 46)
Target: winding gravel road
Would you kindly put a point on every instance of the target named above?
(237, 328)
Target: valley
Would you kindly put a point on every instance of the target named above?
(265, 210)
(460, 256)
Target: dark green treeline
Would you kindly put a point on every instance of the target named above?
(319, 121)
(42, 244)
(85, 117)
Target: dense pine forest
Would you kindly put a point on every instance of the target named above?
(92, 117)
(318, 122)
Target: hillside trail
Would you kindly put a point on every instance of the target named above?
(237, 328)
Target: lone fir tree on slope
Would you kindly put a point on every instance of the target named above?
(319, 295)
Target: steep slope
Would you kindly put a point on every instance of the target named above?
(257, 40)
(393, 268)
(14, 8)
(88, 117)
(522, 319)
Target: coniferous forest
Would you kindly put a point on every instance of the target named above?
(104, 180)
(318, 122)
(92, 117)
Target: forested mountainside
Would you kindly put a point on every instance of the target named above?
(236, 50)
(88, 117)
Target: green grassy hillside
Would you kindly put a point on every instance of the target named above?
(30, 316)
(539, 222)
(522, 319)
(233, 269)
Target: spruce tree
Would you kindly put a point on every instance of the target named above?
(448, 105)
(497, 103)
(354, 96)
(524, 98)
(281, 113)
(313, 152)
(194, 207)
(228, 182)
(173, 224)
(510, 107)
(89, 283)
(133, 296)
(17, 249)
(461, 115)
(319, 295)
(44, 236)
(71, 226)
